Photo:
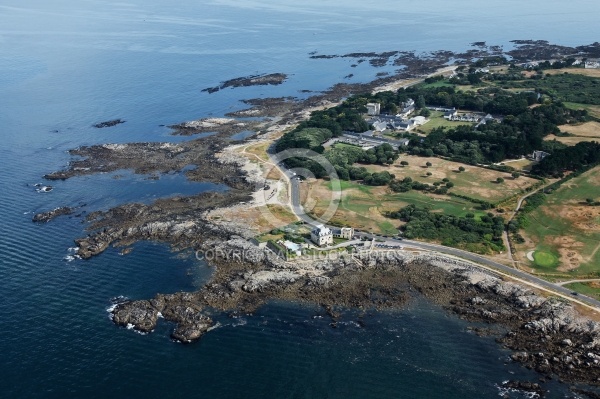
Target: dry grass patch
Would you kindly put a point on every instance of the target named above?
(474, 182)
(594, 73)
(570, 140)
(528, 74)
(520, 164)
(273, 173)
(587, 129)
(259, 150)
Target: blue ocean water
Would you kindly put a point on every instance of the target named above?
(66, 64)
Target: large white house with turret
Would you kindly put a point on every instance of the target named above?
(321, 235)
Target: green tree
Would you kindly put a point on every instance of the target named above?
(515, 175)
(404, 163)
(499, 180)
(449, 184)
(428, 164)
(461, 168)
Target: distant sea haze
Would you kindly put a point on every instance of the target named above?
(65, 66)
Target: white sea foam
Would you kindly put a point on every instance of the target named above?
(44, 189)
(110, 310)
(160, 316)
(240, 322)
(218, 325)
(129, 326)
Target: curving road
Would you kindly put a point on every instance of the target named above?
(483, 262)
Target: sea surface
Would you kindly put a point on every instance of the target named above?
(67, 64)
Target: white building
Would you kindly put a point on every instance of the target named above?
(344, 232)
(450, 114)
(373, 108)
(321, 236)
(292, 247)
(419, 120)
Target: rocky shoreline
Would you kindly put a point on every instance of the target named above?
(545, 334)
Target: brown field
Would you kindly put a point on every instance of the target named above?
(595, 73)
(259, 150)
(528, 74)
(588, 129)
(570, 140)
(474, 182)
(520, 164)
(256, 219)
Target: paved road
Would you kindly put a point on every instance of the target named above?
(488, 263)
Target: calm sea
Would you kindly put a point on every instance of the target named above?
(67, 64)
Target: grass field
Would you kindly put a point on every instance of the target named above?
(520, 164)
(260, 150)
(364, 207)
(588, 131)
(593, 110)
(439, 83)
(570, 140)
(545, 259)
(475, 182)
(595, 73)
(591, 289)
(567, 228)
(436, 119)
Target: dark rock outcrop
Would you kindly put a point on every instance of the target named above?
(110, 123)
(253, 80)
(44, 217)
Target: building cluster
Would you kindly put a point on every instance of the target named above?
(400, 121)
(592, 64)
(588, 64)
(467, 117)
(323, 235)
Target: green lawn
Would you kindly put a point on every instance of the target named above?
(439, 83)
(436, 119)
(364, 207)
(585, 289)
(362, 203)
(545, 259)
(593, 110)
